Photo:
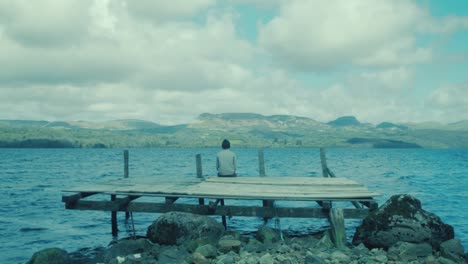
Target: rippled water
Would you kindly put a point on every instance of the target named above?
(32, 216)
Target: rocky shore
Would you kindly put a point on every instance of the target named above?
(400, 231)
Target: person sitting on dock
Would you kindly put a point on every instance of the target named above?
(226, 161)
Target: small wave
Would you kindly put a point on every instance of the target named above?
(406, 177)
(43, 186)
(32, 229)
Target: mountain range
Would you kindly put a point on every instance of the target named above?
(243, 129)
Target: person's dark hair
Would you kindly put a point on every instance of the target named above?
(226, 144)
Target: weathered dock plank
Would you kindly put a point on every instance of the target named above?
(268, 188)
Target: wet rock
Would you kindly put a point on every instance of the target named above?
(268, 235)
(173, 254)
(227, 245)
(312, 259)
(128, 247)
(443, 260)
(453, 249)
(248, 258)
(50, 256)
(340, 257)
(360, 250)
(229, 258)
(133, 259)
(176, 228)
(409, 251)
(198, 258)
(402, 218)
(325, 242)
(430, 260)
(266, 259)
(207, 251)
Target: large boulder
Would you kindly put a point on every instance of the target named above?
(402, 219)
(50, 256)
(176, 228)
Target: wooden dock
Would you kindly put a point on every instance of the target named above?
(211, 193)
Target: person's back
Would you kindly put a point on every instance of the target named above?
(226, 161)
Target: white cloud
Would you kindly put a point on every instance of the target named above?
(170, 61)
(257, 3)
(45, 23)
(445, 25)
(449, 102)
(392, 81)
(161, 10)
(325, 34)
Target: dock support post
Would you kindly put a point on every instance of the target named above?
(326, 205)
(261, 170)
(323, 161)
(126, 163)
(338, 235)
(261, 163)
(115, 230)
(198, 161)
(127, 214)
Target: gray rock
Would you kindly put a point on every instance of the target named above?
(268, 235)
(198, 258)
(247, 258)
(127, 247)
(360, 250)
(283, 249)
(176, 228)
(229, 258)
(312, 259)
(134, 259)
(266, 259)
(340, 257)
(401, 218)
(255, 246)
(381, 258)
(50, 256)
(430, 260)
(173, 254)
(325, 242)
(227, 245)
(207, 251)
(453, 250)
(405, 251)
(280, 259)
(443, 260)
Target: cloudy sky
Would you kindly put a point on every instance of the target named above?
(169, 61)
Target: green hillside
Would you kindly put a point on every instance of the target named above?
(243, 129)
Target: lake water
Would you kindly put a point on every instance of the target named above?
(32, 216)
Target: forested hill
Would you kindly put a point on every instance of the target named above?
(243, 129)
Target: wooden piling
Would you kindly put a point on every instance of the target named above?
(127, 214)
(323, 161)
(199, 166)
(338, 235)
(115, 229)
(198, 161)
(261, 163)
(125, 163)
(261, 170)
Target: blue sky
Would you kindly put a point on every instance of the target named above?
(169, 61)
